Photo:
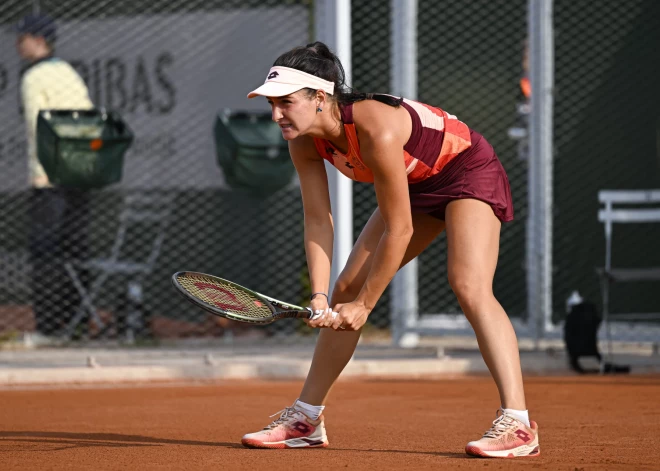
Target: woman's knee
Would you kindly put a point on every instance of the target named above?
(471, 291)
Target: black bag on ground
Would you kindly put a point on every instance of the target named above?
(581, 338)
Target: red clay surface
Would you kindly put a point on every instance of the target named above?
(585, 423)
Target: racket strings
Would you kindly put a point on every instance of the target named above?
(225, 296)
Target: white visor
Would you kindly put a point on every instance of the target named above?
(283, 81)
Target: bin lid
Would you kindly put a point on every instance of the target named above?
(85, 124)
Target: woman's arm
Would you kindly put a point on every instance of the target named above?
(319, 230)
(383, 132)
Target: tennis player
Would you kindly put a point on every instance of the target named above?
(431, 173)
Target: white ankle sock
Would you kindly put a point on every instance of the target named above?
(313, 412)
(521, 415)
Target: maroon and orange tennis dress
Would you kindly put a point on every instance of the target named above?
(445, 161)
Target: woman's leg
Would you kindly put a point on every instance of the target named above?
(334, 349)
(473, 237)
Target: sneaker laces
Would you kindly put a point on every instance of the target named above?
(501, 425)
(285, 415)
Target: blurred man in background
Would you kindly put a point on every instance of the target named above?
(57, 215)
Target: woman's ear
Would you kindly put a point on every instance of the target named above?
(320, 100)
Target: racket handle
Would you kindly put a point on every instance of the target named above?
(313, 316)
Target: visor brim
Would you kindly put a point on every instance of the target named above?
(275, 89)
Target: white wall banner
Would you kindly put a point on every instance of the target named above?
(168, 76)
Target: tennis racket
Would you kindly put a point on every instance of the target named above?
(233, 301)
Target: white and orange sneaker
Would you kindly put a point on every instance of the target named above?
(507, 438)
(293, 429)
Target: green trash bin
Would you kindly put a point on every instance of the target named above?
(252, 152)
(82, 148)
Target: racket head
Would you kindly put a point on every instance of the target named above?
(227, 299)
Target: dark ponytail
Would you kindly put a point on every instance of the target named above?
(316, 59)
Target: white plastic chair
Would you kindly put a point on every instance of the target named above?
(625, 207)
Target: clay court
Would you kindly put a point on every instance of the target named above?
(585, 423)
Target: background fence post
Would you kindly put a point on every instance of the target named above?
(539, 233)
(404, 302)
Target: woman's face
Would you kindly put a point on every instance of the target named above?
(294, 113)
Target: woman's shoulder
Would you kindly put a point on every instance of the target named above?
(381, 104)
(377, 116)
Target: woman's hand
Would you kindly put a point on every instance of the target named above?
(351, 316)
(322, 313)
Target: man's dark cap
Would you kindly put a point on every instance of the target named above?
(37, 25)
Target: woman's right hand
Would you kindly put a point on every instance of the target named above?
(322, 313)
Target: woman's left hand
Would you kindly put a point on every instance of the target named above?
(351, 316)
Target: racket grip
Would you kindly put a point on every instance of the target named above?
(313, 316)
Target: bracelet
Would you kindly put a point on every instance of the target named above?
(314, 294)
